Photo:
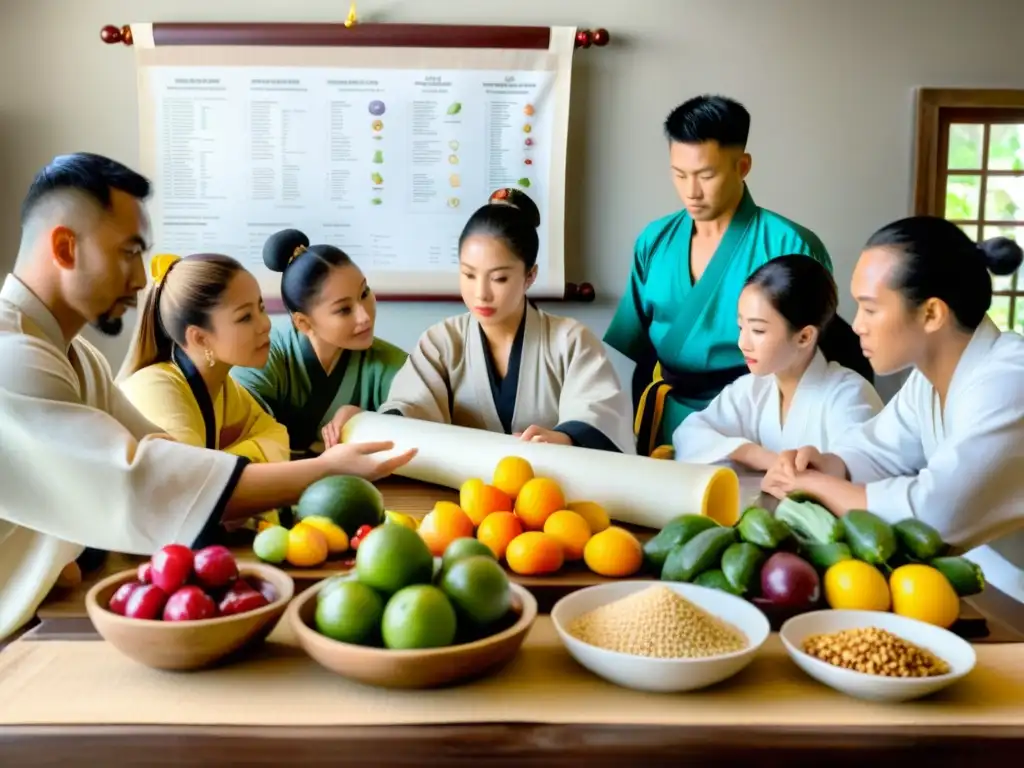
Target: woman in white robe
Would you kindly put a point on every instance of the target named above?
(505, 365)
(948, 449)
(793, 396)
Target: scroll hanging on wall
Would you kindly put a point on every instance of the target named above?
(382, 151)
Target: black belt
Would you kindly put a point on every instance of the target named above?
(700, 384)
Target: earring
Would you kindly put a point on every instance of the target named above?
(209, 357)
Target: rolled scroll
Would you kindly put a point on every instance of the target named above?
(636, 490)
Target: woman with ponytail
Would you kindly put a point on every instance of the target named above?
(793, 395)
(506, 366)
(325, 362)
(203, 316)
(948, 449)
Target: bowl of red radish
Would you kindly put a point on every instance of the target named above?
(186, 610)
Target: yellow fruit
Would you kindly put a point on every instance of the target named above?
(511, 474)
(538, 499)
(534, 553)
(923, 593)
(445, 523)
(570, 530)
(593, 513)
(307, 546)
(857, 586)
(337, 539)
(497, 530)
(400, 518)
(478, 500)
(613, 552)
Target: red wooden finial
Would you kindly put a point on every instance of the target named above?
(126, 34)
(601, 37)
(582, 39)
(586, 292)
(110, 34)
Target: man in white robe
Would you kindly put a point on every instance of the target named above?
(79, 466)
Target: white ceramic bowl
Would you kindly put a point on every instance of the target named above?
(954, 650)
(655, 674)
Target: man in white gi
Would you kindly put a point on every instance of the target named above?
(79, 466)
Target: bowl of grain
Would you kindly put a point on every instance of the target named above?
(659, 636)
(876, 655)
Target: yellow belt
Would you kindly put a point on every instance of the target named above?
(649, 413)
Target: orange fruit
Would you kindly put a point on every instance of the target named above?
(445, 523)
(511, 474)
(538, 499)
(478, 500)
(497, 530)
(595, 515)
(307, 547)
(534, 553)
(570, 530)
(613, 552)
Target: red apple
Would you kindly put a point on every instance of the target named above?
(241, 598)
(171, 567)
(215, 567)
(265, 588)
(119, 600)
(145, 602)
(144, 576)
(189, 603)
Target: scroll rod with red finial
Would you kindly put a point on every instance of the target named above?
(112, 34)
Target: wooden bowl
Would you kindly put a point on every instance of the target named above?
(188, 645)
(426, 668)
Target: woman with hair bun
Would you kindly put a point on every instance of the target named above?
(325, 362)
(948, 449)
(793, 395)
(506, 366)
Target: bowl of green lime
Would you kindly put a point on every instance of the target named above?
(402, 618)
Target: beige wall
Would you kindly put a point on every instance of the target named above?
(829, 83)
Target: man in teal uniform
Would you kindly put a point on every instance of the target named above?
(677, 319)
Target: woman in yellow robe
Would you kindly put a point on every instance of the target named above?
(203, 316)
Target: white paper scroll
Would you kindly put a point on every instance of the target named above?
(633, 489)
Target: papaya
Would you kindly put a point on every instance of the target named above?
(716, 579)
(919, 540)
(700, 553)
(676, 532)
(871, 538)
(965, 575)
(758, 526)
(741, 565)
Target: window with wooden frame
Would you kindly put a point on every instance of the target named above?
(970, 169)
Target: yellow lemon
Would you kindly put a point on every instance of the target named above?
(400, 518)
(857, 586)
(307, 546)
(924, 593)
(595, 515)
(337, 539)
(570, 530)
(613, 552)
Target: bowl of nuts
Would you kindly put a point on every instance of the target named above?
(876, 655)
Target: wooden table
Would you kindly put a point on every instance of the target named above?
(731, 740)
(277, 707)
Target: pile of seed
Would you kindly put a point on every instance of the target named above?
(875, 651)
(657, 622)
